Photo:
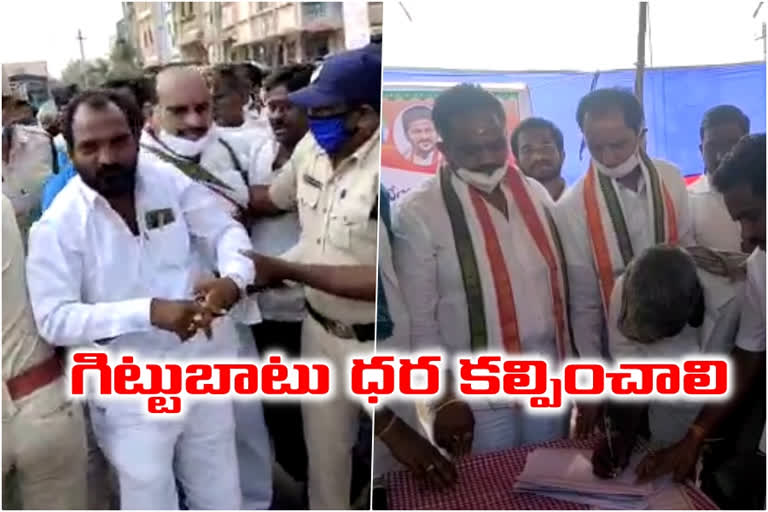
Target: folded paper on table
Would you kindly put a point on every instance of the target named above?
(566, 474)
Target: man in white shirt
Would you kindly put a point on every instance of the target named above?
(401, 441)
(741, 180)
(110, 263)
(538, 148)
(625, 203)
(669, 303)
(229, 100)
(251, 77)
(477, 259)
(721, 128)
(188, 140)
(274, 232)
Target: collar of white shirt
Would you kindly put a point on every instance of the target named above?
(91, 196)
(701, 185)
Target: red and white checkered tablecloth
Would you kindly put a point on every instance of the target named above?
(486, 483)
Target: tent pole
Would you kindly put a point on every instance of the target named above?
(640, 65)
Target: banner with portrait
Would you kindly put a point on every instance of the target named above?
(409, 153)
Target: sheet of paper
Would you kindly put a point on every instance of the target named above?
(670, 497)
(570, 468)
(566, 474)
(596, 501)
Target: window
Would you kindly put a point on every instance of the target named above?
(187, 10)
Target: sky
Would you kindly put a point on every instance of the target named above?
(586, 35)
(38, 30)
(477, 34)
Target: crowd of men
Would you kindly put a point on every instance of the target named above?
(626, 262)
(200, 215)
(213, 213)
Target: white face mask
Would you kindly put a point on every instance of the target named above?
(186, 147)
(231, 129)
(620, 170)
(482, 181)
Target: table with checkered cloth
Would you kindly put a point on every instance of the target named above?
(486, 483)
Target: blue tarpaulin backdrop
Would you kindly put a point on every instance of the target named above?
(675, 100)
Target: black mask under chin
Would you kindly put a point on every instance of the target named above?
(114, 180)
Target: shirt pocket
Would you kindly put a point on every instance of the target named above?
(351, 224)
(169, 245)
(308, 195)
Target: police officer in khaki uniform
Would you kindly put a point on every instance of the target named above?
(332, 180)
(43, 429)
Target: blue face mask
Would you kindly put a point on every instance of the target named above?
(329, 132)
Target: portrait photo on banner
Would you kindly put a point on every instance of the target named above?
(409, 152)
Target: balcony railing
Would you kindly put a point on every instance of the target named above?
(321, 15)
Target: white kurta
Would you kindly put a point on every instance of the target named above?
(253, 453)
(752, 329)
(712, 224)
(586, 306)
(431, 280)
(91, 279)
(383, 461)
(669, 421)
(274, 236)
(243, 140)
(216, 160)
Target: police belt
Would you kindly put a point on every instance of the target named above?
(360, 332)
(34, 378)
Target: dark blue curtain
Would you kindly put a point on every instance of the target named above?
(675, 100)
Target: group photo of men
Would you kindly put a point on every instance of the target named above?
(627, 262)
(584, 184)
(196, 212)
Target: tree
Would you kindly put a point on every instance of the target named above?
(123, 61)
(122, 64)
(71, 73)
(96, 71)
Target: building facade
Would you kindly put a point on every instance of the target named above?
(151, 30)
(271, 33)
(189, 25)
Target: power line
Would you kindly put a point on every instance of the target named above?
(402, 6)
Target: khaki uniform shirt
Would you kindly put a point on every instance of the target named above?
(338, 213)
(22, 347)
(29, 165)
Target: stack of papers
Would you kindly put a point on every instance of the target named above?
(566, 474)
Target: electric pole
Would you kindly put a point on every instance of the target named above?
(640, 64)
(83, 76)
